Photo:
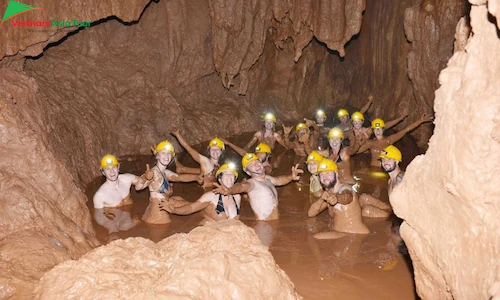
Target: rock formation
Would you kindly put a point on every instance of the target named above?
(452, 225)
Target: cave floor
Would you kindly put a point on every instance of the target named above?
(353, 267)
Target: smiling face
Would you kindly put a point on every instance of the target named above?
(344, 119)
(328, 179)
(388, 164)
(215, 153)
(227, 178)
(335, 143)
(164, 157)
(357, 124)
(312, 167)
(269, 124)
(320, 119)
(378, 132)
(255, 167)
(111, 173)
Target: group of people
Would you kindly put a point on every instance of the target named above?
(325, 151)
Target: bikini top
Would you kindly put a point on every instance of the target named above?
(220, 206)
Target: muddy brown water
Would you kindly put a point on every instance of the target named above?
(353, 267)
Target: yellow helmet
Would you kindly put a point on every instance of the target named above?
(314, 156)
(391, 152)
(216, 142)
(342, 112)
(378, 123)
(335, 133)
(320, 113)
(300, 126)
(263, 148)
(247, 158)
(109, 160)
(327, 165)
(357, 116)
(165, 145)
(229, 166)
(270, 116)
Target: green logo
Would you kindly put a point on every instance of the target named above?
(15, 8)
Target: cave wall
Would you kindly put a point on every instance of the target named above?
(451, 227)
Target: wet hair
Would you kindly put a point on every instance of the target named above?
(221, 157)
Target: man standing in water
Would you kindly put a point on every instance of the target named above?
(260, 187)
(115, 191)
(112, 200)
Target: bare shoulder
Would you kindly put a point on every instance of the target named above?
(209, 197)
(127, 177)
(345, 187)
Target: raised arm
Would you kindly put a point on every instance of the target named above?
(194, 154)
(285, 179)
(354, 147)
(367, 105)
(187, 209)
(174, 177)
(237, 149)
(286, 134)
(141, 182)
(280, 140)
(392, 123)
(238, 188)
(252, 141)
(363, 148)
(397, 136)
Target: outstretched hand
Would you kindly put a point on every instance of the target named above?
(296, 172)
(370, 98)
(309, 122)
(426, 118)
(220, 189)
(176, 131)
(167, 206)
(148, 174)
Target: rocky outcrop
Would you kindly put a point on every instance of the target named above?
(221, 260)
(451, 225)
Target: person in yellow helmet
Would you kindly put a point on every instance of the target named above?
(260, 188)
(160, 187)
(343, 115)
(209, 163)
(262, 150)
(343, 202)
(312, 161)
(304, 140)
(267, 135)
(378, 143)
(322, 140)
(112, 201)
(115, 191)
(214, 206)
(362, 134)
(391, 157)
(340, 154)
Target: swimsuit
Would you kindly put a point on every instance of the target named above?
(220, 206)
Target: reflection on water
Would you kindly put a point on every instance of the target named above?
(352, 267)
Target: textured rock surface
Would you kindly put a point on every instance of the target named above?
(29, 41)
(452, 226)
(43, 216)
(221, 260)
